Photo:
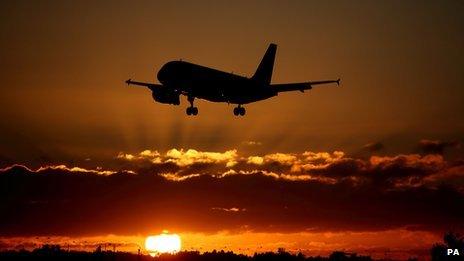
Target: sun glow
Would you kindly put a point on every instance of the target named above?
(163, 243)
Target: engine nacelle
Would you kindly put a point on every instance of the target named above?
(166, 96)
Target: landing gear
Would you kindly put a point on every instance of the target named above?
(239, 110)
(191, 110)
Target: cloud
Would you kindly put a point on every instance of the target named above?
(183, 158)
(152, 156)
(282, 158)
(194, 162)
(176, 177)
(257, 160)
(436, 146)
(430, 162)
(191, 190)
(374, 146)
(318, 160)
(190, 157)
(232, 209)
(98, 170)
(252, 143)
(386, 171)
(405, 170)
(452, 176)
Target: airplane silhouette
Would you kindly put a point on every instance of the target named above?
(196, 81)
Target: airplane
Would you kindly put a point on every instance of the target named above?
(196, 81)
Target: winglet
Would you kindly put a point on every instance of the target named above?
(338, 82)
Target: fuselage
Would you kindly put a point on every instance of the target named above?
(212, 85)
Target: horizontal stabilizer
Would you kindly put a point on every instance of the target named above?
(150, 86)
(287, 87)
(325, 82)
(302, 86)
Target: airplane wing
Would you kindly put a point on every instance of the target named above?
(301, 86)
(150, 86)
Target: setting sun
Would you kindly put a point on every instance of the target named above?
(163, 243)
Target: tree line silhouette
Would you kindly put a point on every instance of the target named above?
(54, 252)
(438, 252)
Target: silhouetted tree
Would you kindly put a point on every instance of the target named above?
(48, 250)
(450, 240)
(338, 256)
(55, 253)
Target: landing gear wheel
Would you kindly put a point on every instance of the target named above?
(239, 111)
(191, 110)
(242, 111)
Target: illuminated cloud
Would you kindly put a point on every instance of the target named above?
(152, 156)
(323, 157)
(191, 190)
(317, 160)
(183, 157)
(191, 156)
(257, 160)
(15, 166)
(232, 209)
(252, 143)
(78, 169)
(282, 158)
(176, 177)
(325, 167)
(65, 168)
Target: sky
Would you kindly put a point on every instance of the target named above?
(87, 156)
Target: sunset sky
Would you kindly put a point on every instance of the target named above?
(373, 165)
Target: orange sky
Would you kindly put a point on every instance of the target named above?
(63, 67)
(388, 138)
(379, 245)
(316, 202)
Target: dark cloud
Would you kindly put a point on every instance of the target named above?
(210, 192)
(436, 146)
(373, 146)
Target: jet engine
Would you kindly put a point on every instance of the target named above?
(166, 96)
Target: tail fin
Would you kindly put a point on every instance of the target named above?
(264, 72)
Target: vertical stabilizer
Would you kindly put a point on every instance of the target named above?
(264, 72)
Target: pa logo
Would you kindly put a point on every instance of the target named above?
(452, 252)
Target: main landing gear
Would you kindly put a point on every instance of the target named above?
(191, 110)
(239, 110)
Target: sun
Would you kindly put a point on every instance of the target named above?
(163, 243)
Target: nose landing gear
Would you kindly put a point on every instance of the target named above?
(239, 110)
